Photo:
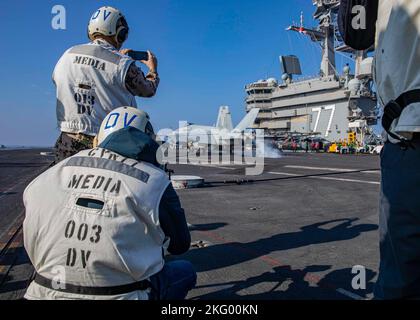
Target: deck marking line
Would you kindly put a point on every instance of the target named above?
(372, 171)
(218, 167)
(347, 180)
(350, 294)
(324, 178)
(285, 174)
(334, 169)
(321, 168)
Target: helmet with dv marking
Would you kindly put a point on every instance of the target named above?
(108, 21)
(122, 118)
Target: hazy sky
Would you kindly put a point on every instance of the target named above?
(208, 50)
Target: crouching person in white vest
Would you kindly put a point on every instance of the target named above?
(98, 223)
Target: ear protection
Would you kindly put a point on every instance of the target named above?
(122, 31)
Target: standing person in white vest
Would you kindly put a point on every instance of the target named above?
(98, 223)
(93, 79)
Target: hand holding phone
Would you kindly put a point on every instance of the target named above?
(146, 57)
(139, 55)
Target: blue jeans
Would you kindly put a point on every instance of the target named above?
(399, 271)
(174, 281)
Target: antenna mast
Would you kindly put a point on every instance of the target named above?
(323, 34)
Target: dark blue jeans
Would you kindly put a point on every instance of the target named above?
(174, 281)
(399, 224)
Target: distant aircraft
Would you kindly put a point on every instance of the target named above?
(222, 133)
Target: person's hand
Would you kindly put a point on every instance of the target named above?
(125, 51)
(151, 63)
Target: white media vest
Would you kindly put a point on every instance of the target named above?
(90, 82)
(71, 239)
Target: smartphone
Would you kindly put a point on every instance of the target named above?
(138, 55)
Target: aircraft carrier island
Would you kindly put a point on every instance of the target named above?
(305, 228)
(331, 104)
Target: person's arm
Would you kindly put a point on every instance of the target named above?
(173, 222)
(139, 84)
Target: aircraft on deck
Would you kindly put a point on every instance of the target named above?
(220, 134)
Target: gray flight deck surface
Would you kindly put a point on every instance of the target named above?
(295, 235)
(17, 169)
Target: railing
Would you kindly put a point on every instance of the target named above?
(254, 96)
(259, 85)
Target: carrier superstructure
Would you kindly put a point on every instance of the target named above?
(329, 105)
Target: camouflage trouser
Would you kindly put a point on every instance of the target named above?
(68, 144)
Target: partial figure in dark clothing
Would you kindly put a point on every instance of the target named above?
(393, 27)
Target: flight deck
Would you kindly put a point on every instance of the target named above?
(294, 232)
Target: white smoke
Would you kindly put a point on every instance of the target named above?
(269, 151)
(264, 149)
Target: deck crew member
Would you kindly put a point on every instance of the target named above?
(93, 79)
(394, 27)
(97, 224)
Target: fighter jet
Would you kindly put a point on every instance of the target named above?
(222, 133)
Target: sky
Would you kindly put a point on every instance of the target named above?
(207, 50)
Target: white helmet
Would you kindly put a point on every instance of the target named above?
(108, 21)
(124, 117)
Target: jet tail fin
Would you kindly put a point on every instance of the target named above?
(248, 121)
(224, 119)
